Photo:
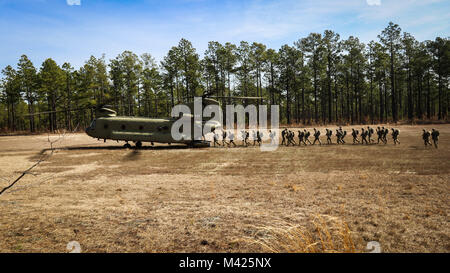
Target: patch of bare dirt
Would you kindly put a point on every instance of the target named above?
(173, 199)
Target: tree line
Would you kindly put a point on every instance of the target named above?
(319, 79)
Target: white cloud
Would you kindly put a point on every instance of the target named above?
(73, 2)
(373, 2)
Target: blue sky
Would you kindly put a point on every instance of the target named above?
(73, 30)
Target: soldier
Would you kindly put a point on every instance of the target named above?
(395, 134)
(355, 134)
(247, 136)
(286, 142)
(380, 135)
(329, 134)
(291, 138)
(316, 137)
(435, 137)
(301, 135)
(385, 133)
(243, 137)
(426, 138)
(338, 136)
(283, 136)
(258, 137)
(254, 136)
(231, 138)
(224, 137)
(342, 135)
(369, 134)
(216, 139)
(306, 136)
(364, 136)
(272, 137)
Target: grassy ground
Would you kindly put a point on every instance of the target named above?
(173, 199)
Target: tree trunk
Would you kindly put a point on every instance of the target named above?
(381, 101)
(394, 95)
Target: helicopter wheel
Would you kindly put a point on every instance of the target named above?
(138, 144)
(127, 145)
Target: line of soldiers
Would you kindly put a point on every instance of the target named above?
(288, 137)
(382, 133)
(434, 136)
(245, 135)
(366, 136)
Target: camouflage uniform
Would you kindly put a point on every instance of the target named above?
(385, 133)
(380, 135)
(301, 136)
(306, 136)
(329, 134)
(291, 136)
(426, 138)
(435, 137)
(283, 136)
(258, 137)
(224, 137)
(369, 134)
(243, 134)
(231, 138)
(364, 136)
(355, 134)
(254, 137)
(395, 134)
(247, 136)
(316, 137)
(338, 136)
(216, 139)
(272, 137)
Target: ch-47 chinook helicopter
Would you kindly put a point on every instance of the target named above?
(108, 126)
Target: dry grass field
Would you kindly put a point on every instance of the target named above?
(174, 199)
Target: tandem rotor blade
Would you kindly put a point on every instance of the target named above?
(107, 104)
(56, 111)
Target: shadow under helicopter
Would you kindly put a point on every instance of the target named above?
(143, 148)
(132, 155)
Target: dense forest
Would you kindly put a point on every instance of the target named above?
(319, 79)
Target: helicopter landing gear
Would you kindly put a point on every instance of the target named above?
(138, 144)
(127, 145)
(199, 144)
